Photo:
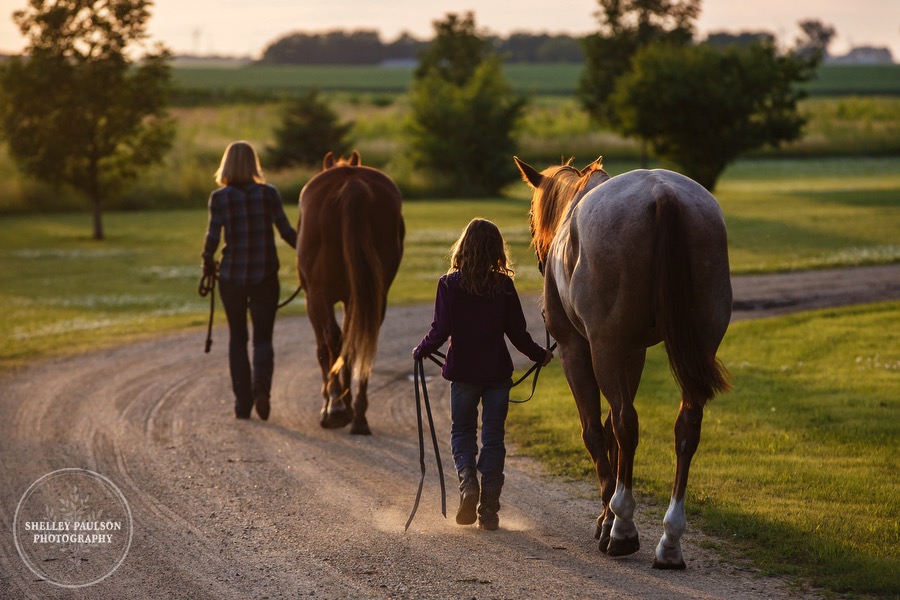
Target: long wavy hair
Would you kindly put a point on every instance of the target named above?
(480, 256)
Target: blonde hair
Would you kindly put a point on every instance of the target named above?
(239, 166)
(479, 256)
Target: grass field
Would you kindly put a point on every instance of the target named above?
(64, 292)
(553, 127)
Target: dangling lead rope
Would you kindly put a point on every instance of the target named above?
(419, 378)
(208, 287)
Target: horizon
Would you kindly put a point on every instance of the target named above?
(207, 28)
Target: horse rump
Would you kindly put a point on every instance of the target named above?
(699, 374)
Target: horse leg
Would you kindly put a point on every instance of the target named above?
(360, 425)
(328, 347)
(619, 377)
(687, 439)
(575, 358)
(605, 521)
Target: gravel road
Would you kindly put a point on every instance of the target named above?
(283, 509)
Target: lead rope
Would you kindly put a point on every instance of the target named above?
(419, 378)
(208, 287)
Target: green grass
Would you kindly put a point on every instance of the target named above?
(797, 468)
(787, 215)
(64, 292)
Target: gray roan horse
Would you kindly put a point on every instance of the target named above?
(631, 261)
(349, 246)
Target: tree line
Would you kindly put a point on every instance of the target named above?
(365, 47)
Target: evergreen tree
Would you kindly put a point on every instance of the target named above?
(309, 129)
(464, 112)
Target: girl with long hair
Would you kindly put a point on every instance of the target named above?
(476, 308)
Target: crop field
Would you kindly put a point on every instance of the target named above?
(553, 79)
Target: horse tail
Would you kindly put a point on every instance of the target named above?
(365, 309)
(699, 374)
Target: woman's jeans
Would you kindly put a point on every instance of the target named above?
(262, 300)
(464, 399)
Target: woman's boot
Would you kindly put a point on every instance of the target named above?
(488, 508)
(468, 496)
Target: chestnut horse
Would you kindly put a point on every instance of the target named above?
(349, 246)
(628, 262)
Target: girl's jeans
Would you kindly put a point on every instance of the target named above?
(262, 300)
(464, 399)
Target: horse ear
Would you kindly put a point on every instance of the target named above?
(529, 174)
(328, 161)
(594, 166)
(355, 160)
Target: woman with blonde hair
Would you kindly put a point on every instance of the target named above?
(246, 208)
(476, 308)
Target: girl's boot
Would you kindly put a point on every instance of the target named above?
(468, 496)
(488, 508)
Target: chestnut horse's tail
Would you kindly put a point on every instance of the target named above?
(695, 366)
(365, 309)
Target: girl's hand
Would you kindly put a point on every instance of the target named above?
(548, 358)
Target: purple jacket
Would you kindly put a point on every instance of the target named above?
(476, 326)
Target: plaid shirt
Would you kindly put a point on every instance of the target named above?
(247, 214)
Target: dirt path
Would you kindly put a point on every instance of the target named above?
(226, 509)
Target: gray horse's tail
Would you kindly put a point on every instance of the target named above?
(693, 362)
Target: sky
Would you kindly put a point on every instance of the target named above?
(245, 27)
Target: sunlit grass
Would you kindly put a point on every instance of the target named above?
(800, 214)
(797, 467)
(65, 292)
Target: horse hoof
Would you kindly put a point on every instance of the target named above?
(335, 420)
(676, 566)
(623, 547)
(603, 534)
(360, 428)
(604, 545)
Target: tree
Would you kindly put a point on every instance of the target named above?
(455, 51)
(78, 109)
(626, 26)
(332, 47)
(701, 108)
(815, 39)
(309, 129)
(464, 112)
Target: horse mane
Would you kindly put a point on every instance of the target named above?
(559, 185)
